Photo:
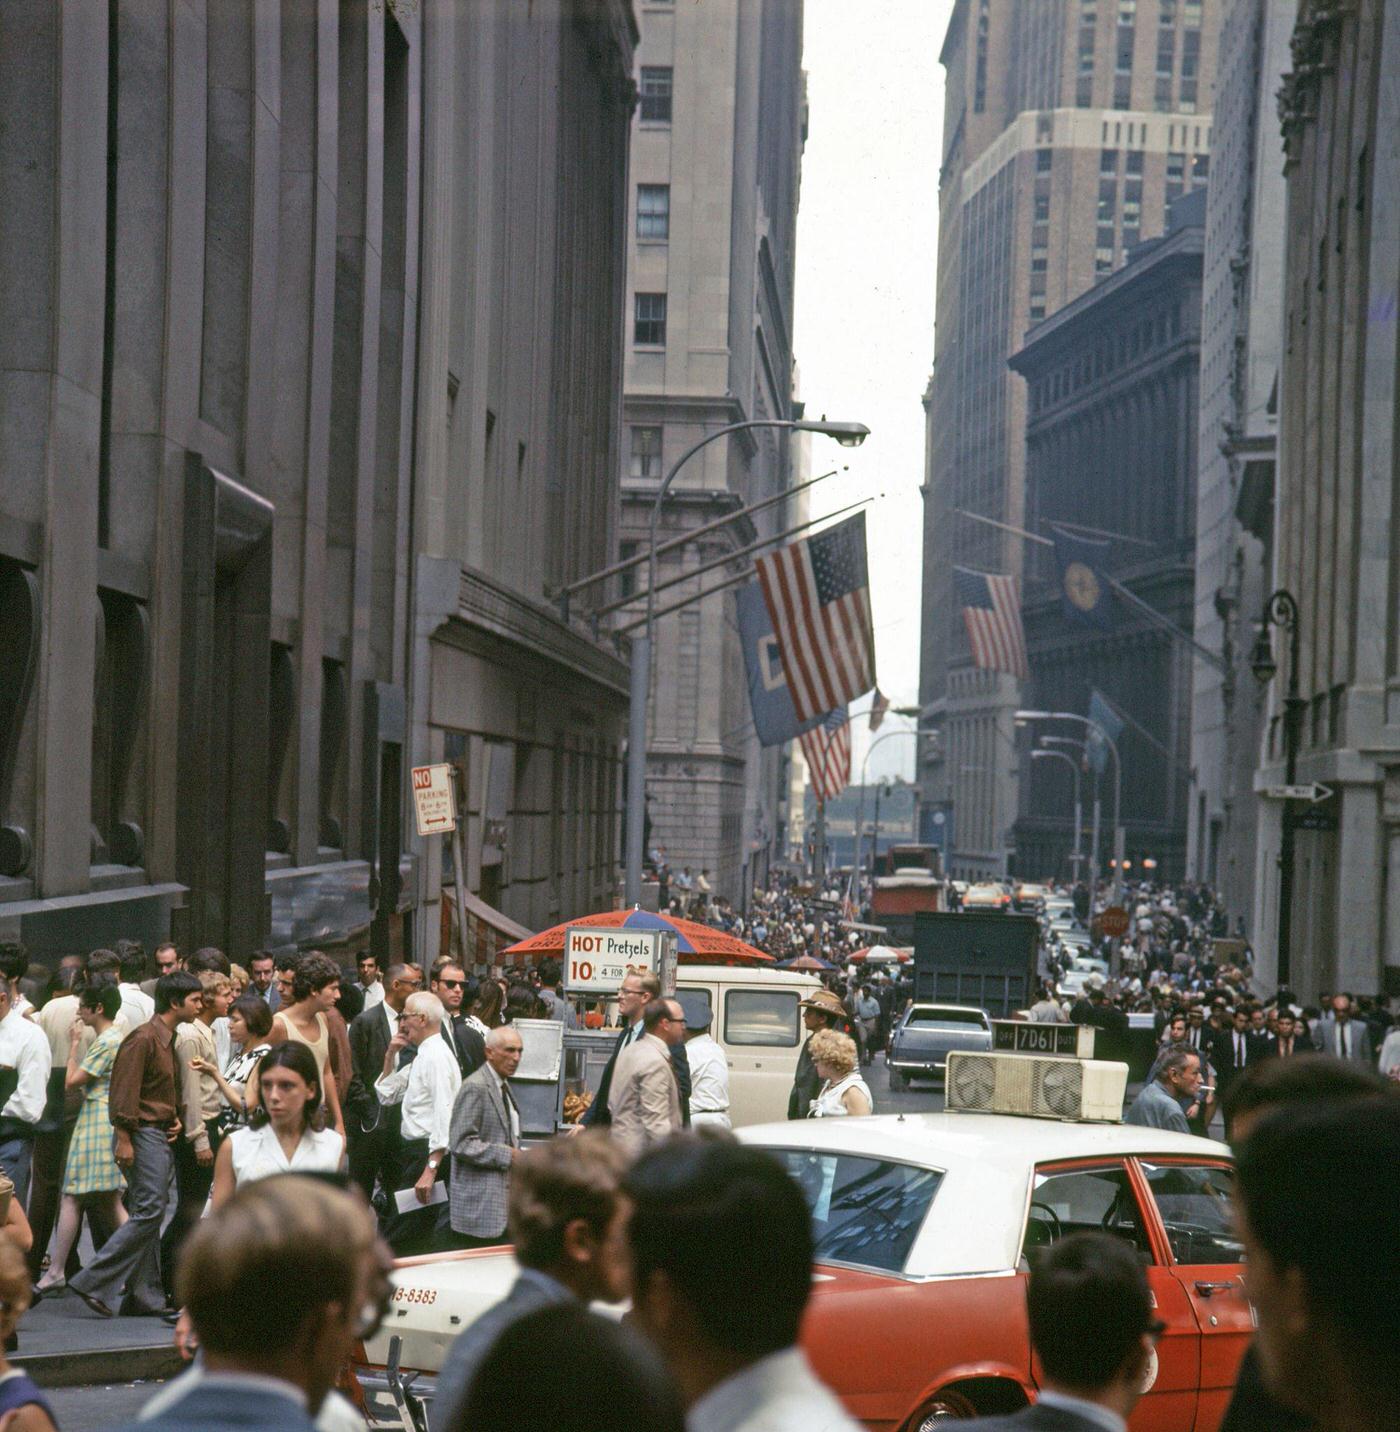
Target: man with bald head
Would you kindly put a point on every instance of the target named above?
(484, 1141)
(372, 1128)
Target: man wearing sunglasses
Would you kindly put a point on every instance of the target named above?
(1094, 1331)
(449, 983)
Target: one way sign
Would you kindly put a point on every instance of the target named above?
(1311, 793)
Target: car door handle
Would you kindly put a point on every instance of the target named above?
(1207, 1289)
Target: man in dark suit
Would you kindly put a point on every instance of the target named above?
(1290, 1039)
(449, 983)
(633, 996)
(1093, 1328)
(1236, 1049)
(372, 1129)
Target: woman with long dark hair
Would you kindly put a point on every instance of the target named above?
(286, 1130)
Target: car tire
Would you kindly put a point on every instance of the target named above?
(898, 1081)
(948, 1406)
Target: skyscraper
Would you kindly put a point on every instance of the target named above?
(1069, 125)
(716, 161)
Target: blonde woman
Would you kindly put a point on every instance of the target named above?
(843, 1091)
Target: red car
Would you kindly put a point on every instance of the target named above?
(923, 1224)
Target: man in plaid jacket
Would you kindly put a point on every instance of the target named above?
(484, 1141)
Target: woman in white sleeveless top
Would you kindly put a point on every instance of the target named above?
(843, 1091)
(285, 1132)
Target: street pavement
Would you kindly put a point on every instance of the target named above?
(100, 1407)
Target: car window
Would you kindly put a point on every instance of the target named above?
(1084, 1200)
(864, 1211)
(1195, 1202)
(948, 1016)
(768, 1017)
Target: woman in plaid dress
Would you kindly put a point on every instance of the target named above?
(92, 1178)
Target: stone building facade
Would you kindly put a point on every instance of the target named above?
(716, 162)
(1069, 126)
(1112, 382)
(1337, 531)
(229, 486)
(1240, 353)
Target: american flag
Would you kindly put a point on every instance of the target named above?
(818, 595)
(827, 751)
(991, 608)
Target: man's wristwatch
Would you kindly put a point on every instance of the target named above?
(433, 1163)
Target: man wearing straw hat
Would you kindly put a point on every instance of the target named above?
(821, 1010)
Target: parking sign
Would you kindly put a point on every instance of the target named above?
(433, 800)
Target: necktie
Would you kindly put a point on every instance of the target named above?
(1239, 1051)
(1344, 1040)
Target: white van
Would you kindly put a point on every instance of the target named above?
(758, 1024)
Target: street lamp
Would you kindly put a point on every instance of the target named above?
(1281, 610)
(860, 802)
(1078, 809)
(1023, 718)
(847, 435)
(1083, 748)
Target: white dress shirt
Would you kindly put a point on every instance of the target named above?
(709, 1082)
(374, 994)
(427, 1089)
(24, 1047)
(778, 1393)
(512, 1113)
(137, 1005)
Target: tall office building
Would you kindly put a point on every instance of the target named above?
(716, 159)
(1240, 353)
(1069, 125)
(1336, 526)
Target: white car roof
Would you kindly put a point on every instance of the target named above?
(979, 1212)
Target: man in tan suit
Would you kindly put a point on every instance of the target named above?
(645, 1101)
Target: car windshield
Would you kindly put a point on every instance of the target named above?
(865, 1211)
(974, 1017)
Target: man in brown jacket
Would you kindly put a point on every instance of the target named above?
(645, 1099)
(144, 1104)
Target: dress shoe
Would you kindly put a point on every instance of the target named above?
(96, 1304)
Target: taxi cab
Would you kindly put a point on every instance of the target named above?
(924, 1225)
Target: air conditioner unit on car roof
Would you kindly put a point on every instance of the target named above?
(1086, 1089)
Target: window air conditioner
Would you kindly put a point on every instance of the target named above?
(1075, 1089)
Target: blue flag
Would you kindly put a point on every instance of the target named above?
(1084, 591)
(1102, 714)
(774, 715)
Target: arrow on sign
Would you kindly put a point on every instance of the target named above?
(1312, 793)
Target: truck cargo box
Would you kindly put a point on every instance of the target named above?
(984, 960)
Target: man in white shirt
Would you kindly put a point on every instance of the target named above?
(726, 1326)
(25, 1061)
(425, 1090)
(1094, 1330)
(137, 1005)
(709, 1069)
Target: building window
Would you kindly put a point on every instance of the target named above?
(1191, 13)
(1166, 54)
(1037, 312)
(656, 94)
(1134, 161)
(1108, 200)
(1042, 208)
(1084, 92)
(646, 453)
(1122, 92)
(649, 330)
(627, 581)
(1127, 12)
(1201, 168)
(1176, 167)
(1168, 14)
(1131, 237)
(1044, 158)
(653, 211)
(1038, 285)
(1124, 62)
(1103, 236)
(1108, 162)
(1103, 260)
(1039, 258)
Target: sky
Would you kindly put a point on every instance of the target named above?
(863, 323)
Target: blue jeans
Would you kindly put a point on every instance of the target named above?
(130, 1258)
(16, 1155)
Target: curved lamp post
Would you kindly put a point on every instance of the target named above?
(848, 435)
(1046, 755)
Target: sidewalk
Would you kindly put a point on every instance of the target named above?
(63, 1343)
